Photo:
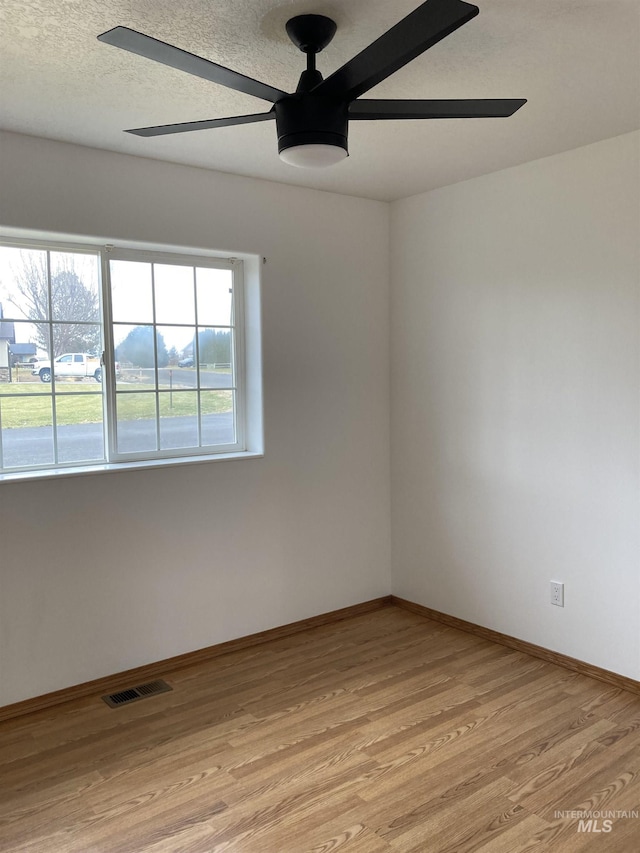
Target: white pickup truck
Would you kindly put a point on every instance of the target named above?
(71, 364)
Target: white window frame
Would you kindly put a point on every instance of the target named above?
(246, 339)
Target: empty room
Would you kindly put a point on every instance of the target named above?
(320, 426)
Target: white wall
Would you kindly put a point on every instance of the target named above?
(515, 418)
(106, 572)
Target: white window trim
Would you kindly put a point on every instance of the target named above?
(248, 355)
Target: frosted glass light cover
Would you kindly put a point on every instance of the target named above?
(313, 156)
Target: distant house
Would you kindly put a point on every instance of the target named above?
(7, 340)
(11, 353)
(21, 353)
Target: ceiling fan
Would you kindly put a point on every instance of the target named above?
(312, 122)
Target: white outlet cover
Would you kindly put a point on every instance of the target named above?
(557, 593)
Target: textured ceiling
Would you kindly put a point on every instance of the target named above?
(576, 61)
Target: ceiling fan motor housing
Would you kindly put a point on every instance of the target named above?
(307, 119)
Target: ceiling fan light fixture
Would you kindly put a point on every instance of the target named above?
(312, 123)
(313, 155)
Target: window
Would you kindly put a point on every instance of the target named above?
(115, 357)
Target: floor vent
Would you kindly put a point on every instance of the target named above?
(125, 697)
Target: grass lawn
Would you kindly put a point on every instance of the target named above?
(80, 403)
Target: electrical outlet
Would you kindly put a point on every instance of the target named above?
(557, 593)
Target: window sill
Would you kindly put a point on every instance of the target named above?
(110, 467)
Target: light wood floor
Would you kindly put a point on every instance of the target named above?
(385, 732)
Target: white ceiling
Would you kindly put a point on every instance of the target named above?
(576, 61)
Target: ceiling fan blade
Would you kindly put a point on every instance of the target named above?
(186, 126)
(160, 51)
(420, 30)
(477, 108)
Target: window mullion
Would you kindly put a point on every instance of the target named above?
(109, 397)
(52, 358)
(155, 354)
(196, 353)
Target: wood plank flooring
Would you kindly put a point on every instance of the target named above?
(383, 733)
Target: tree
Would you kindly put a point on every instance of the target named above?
(214, 346)
(137, 348)
(73, 302)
